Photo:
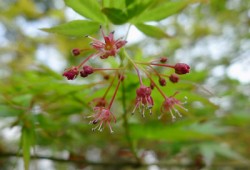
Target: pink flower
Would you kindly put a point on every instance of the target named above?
(108, 48)
(71, 73)
(170, 104)
(102, 117)
(143, 99)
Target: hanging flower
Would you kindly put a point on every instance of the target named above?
(143, 99)
(102, 117)
(171, 105)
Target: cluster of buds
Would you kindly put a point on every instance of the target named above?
(144, 101)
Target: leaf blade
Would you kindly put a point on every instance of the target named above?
(163, 11)
(74, 28)
(88, 9)
(116, 16)
(152, 31)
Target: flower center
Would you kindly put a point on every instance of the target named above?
(108, 47)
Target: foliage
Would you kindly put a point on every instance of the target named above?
(50, 113)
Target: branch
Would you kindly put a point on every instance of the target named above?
(239, 165)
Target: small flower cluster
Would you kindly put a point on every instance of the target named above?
(144, 99)
(110, 47)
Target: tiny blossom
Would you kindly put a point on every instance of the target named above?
(169, 105)
(102, 117)
(173, 78)
(108, 48)
(181, 68)
(71, 73)
(144, 99)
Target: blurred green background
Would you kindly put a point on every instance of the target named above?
(43, 121)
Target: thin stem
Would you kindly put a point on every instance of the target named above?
(163, 65)
(156, 72)
(110, 85)
(84, 61)
(161, 92)
(126, 126)
(116, 89)
(155, 64)
(135, 66)
(128, 32)
(102, 69)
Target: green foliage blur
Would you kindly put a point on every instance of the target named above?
(43, 117)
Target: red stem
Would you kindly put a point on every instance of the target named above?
(84, 61)
(156, 86)
(163, 65)
(110, 85)
(116, 89)
(100, 69)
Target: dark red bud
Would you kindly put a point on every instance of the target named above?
(88, 69)
(162, 82)
(121, 77)
(106, 77)
(173, 78)
(76, 51)
(71, 73)
(181, 68)
(152, 85)
(83, 74)
(163, 59)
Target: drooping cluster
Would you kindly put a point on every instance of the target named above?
(102, 115)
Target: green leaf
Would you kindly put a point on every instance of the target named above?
(7, 111)
(210, 149)
(170, 132)
(116, 16)
(152, 31)
(88, 9)
(162, 11)
(75, 28)
(121, 4)
(23, 100)
(135, 8)
(26, 142)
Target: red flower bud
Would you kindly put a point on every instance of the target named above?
(163, 59)
(71, 73)
(181, 68)
(106, 77)
(162, 82)
(174, 78)
(76, 51)
(122, 77)
(152, 85)
(88, 69)
(83, 74)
